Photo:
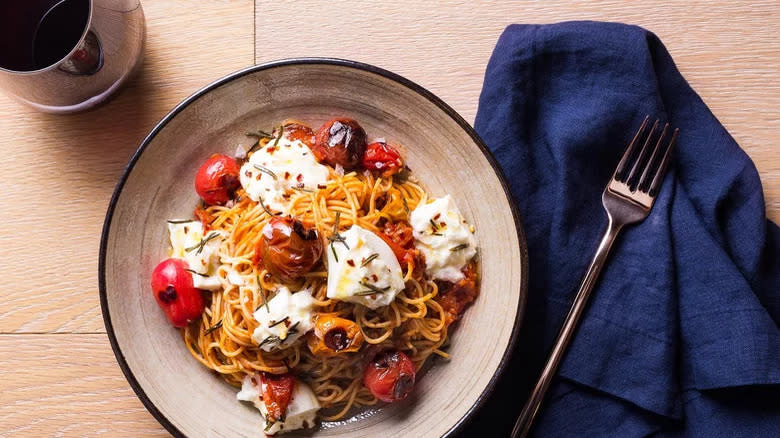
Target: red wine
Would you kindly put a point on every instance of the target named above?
(39, 33)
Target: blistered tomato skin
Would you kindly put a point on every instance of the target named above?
(340, 142)
(217, 179)
(390, 376)
(174, 291)
(382, 159)
(287, 249)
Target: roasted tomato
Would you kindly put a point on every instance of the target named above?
(340, 142)
(398, 235)
(454, 298)
(390, 376)
(382, 159)
(287, 249)
(277, 393)
(333, 335)
(174, 292)
(217, 179)
(296, 131)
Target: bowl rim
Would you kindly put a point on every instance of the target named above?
(521, 241)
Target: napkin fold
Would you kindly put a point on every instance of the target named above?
(681, 335)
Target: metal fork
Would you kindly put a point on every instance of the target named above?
(628, 198)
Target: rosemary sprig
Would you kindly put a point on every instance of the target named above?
(303, 189)
(459, 247)
(262, 294)
(265, 170)
(213, 327)
(335, 236)
(434, 225)
(269, 423)
(369, 259)
(180, 221)
(202, 244)
(252, 148)
(286, 318)
(193, 272)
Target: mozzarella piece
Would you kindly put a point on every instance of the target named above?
(203, 259)
(286, 318)
(347, 275)
(301, 412)
(292, 164)
(448, 245)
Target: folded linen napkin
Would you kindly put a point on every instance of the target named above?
(681, 335)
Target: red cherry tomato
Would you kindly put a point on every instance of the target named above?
(277, 393)
(217, 179)
(287, 249)
(340, 141)
(382, 158)
(175, 293)
(390, 376)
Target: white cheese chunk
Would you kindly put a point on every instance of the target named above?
(363, 259)
(286, 318)
(274, 170)
(444, 238)
(301, 412)
(202, 259)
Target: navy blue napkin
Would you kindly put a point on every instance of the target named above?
(681, 335)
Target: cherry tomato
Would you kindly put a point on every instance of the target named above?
(389, 376)
(174, 292)
(383, 159)
(217, 179)
(398, 236)
(340, 141)
(277, 393)
(454, 298)
(287, 249)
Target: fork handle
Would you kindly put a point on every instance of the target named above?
(523, 423)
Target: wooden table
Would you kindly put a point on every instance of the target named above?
(58, 376)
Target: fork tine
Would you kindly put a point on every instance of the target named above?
(659, 174)
(621, 168)
(644, 180)
(638, 160)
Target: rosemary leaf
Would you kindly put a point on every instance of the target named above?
(281, 133)
(213, 327)
(374, 288)
(286, 318)
(259, 134)
(262, 294)
(265, 170)
(180, 221)
(406, 206)
(459, 247)
(193, 272)
(369, 259)
(260, 200)
(334, 252)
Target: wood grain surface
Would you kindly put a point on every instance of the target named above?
(59, 377)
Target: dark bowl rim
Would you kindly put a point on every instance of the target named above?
(489, 388)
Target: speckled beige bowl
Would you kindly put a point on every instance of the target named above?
(443, 151)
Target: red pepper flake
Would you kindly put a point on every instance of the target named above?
(259, 175)
(286, 175)
(374, 277)
(321, 186)
(271, 150)
(438, 215)
(248, 174)
(351, 262)
(300, 185)
(299, 178)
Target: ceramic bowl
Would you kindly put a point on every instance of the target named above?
(443, 151)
